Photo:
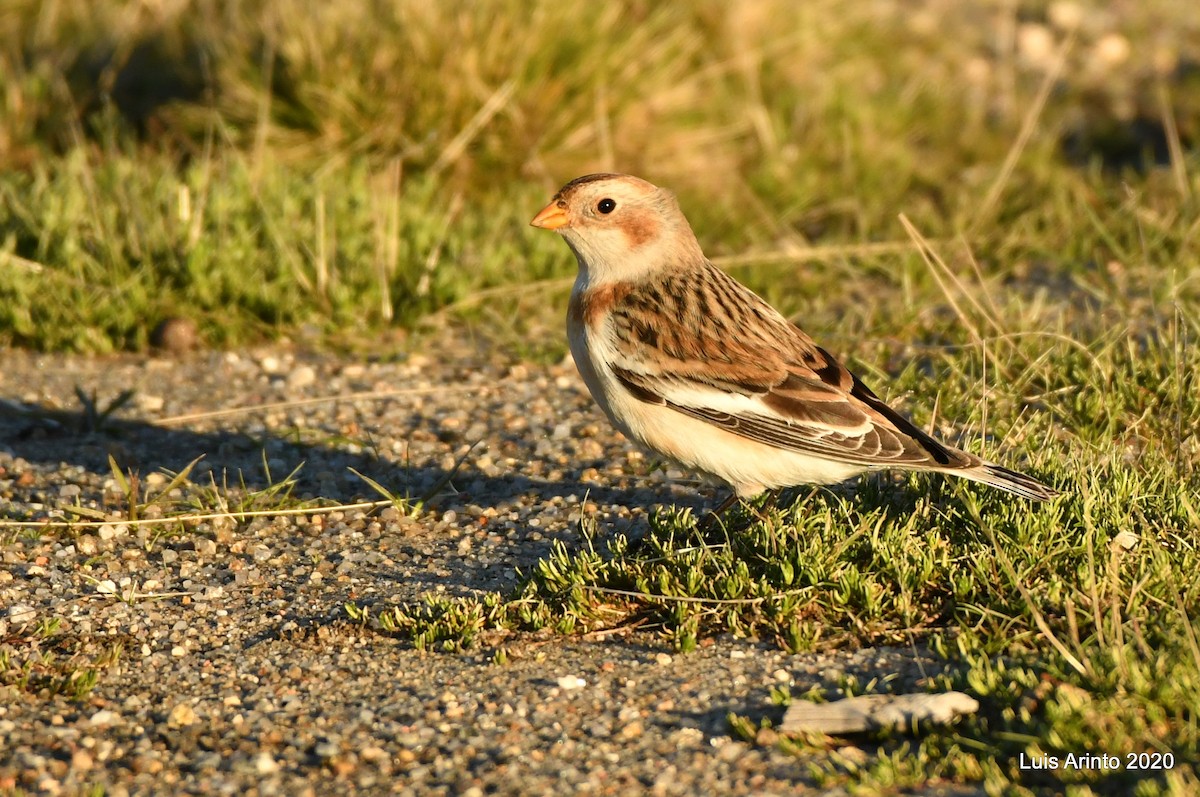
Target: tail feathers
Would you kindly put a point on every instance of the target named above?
(1008, 480)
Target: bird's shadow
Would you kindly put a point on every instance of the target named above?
(54, 449)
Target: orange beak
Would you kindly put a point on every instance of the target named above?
(550, 217)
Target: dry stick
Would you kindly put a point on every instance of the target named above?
(435, 252)
(10, 259)
(195, 517)
(372, 395)
(690, 599)
(1038, 618)
(478, 122)
(1174, 146)
(1027, 127)
(932, 258)
(387, 252)
(929, 257)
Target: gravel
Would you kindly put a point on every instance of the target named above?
(240, 671)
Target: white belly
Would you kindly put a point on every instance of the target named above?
(748, 466)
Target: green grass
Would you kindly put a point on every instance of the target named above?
(43, 662)
(328, 173)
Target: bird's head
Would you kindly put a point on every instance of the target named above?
(620, 227)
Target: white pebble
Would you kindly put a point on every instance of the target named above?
(21, 613)
(301, 376)
(568, 682)
(1065, 15)
(1112, 50)
(150, 403)
(1126, 540)
(103, 717)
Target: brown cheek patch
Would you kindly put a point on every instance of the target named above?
(639, 229)
(591, 306)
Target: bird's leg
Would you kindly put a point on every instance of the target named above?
(770, 502)
(714, 521)
(724, 505)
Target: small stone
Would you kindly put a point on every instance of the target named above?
(301, 376)
(373, 753)
(149, 403)
(69, 491)
(1112, 50)
(1125, 540)
(81, 761)
(175, 335)
(107, 587)
(103, 717)
(1065, 15)
(21, 613)
(569, 682)
(265, 764)
(663, 658)
(107, 531)
(182, 715)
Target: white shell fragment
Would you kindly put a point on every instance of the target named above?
(876, 712)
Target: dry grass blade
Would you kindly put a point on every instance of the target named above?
(194, 517)
(1174, 145)
(1039, 617)
(628, 593)
(458, 145)
(1028, 125)
(371, 395)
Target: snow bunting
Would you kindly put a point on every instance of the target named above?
(691, 364)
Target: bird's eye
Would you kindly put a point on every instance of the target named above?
(606, 206)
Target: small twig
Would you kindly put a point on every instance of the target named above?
(370, 395)
(16, 260)
(690, 599)
(459, 143)
(1022, 140)
(1039, 619)
(194, 517)
(1174, 145)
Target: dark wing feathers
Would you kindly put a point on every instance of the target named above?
(822, 408)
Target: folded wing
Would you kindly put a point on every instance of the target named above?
(758, 376)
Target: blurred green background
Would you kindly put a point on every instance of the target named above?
(340, 171)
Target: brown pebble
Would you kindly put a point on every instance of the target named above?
(175, 335)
